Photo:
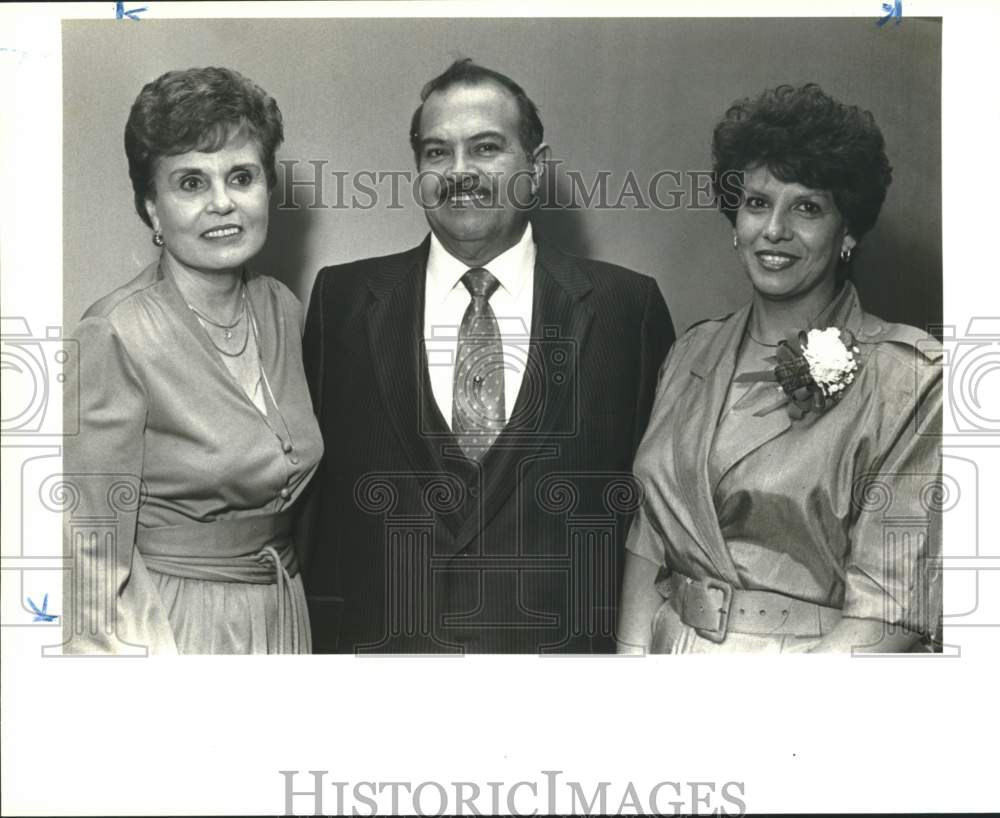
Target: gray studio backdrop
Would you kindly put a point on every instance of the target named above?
(616, 96)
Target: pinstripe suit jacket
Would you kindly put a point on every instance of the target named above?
(414, 548)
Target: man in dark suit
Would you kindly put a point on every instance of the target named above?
(481, 399)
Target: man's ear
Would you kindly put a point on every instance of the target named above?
(539, 156)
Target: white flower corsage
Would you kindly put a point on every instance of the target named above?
(812, 369)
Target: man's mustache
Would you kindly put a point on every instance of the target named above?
(465, 185)
(482, 191)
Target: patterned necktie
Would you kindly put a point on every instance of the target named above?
(478, 414)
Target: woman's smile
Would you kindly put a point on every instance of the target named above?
(789, 237)
(226, 231)
(774, 260)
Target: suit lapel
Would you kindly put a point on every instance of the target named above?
(543, 412)
(395, 330)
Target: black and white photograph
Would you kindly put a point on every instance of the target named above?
(394, 393)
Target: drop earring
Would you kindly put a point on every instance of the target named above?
(157, 238)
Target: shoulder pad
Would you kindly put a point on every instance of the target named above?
(718, 319)
(876, 331)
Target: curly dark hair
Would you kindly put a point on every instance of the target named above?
(199, 109)
(467, 72)
(804, 135)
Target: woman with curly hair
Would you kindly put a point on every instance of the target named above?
(791, 460)
(197, 434)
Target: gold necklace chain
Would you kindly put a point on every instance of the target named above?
(243, 347)
(227, 328)
(759, 343)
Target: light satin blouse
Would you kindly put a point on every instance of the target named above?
(178, 523)
(837, 508)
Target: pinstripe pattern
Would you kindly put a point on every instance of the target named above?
(415, 548)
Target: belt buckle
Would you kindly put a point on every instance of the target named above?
(718, 634)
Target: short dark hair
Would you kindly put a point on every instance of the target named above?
(804, 135)
(198, 109)
(466, 72)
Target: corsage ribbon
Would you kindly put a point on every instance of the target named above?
(812, 369)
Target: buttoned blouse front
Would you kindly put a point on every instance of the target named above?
(802, 507)
(157, 403)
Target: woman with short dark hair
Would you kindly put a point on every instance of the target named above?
(787, 437)
(193, 401)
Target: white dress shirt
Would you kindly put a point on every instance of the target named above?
(445, 302)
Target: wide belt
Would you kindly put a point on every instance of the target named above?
(713, 607)
(256, 549)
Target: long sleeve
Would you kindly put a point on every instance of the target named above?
(112, 605)
(892, 573)
(645, 538)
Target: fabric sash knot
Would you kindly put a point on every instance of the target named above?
(256, 549)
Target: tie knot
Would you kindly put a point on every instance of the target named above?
(480, 282)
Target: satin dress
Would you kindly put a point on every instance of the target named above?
(179, 488)
(835, 509)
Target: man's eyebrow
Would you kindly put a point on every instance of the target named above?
(436, 140)
(488, 135)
